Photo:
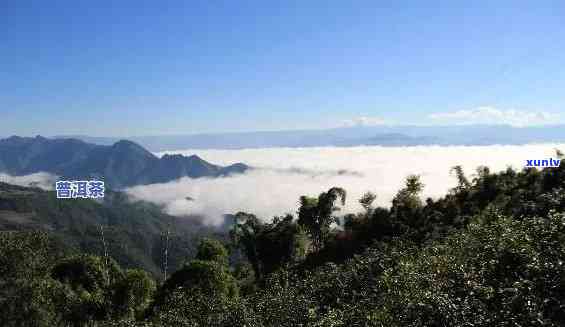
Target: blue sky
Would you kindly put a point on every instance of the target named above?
(124, 68)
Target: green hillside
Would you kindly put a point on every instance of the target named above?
(134, 232)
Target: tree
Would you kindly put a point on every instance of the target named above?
(212, 250)
(317, 214)
(208, 274)
(462, 181)
(27, 294)
(367, 200)
(87, 272)
(407, 202)
(208, 277)
(133, 293)
(268, 246)
(88, 283)
(244, 234)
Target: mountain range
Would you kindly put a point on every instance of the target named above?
(120, 165)
(350, 136)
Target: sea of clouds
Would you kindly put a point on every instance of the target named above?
(284, 174)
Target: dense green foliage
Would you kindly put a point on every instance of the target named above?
(489, 253)
(133, 233)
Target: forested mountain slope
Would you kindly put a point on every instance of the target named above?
(491, 252)
(134, 232)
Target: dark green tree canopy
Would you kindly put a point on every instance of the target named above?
(87, 272)
(208, 277)
(212, 250)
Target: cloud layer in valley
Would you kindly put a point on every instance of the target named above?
(44, 181)
(284, 174)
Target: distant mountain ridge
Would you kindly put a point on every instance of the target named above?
(122, 164)
(350, 136)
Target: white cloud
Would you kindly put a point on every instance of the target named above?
(287, 173)
(364, 121)
(492, 115)
(42, 180)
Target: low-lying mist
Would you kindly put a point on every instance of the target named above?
(42, 180)
(282, 175)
